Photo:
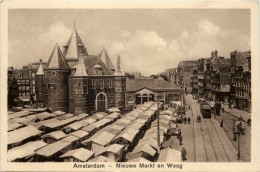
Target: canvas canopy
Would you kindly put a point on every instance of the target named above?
(43, 115)
(59, 113)
(80, 133)
(19, 114)
(21, 134)
(144, 147)
(70, 139)
(57, 135)
(114, 148)
(139, 159)
(169, 155)
(101, 159)
(127, 136)
(63, 117)
(75, 126)
(14, 126)
(53, 148)
(81, 154)
(103, 138)
(25, 150)
(113, 109)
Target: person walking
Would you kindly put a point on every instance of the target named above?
(179, 133)
(189, 120)
(180, 140)
(183, 154)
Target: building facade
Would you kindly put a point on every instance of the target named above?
(141, 90)
(241, 80)
(76, 82)
(185, 69)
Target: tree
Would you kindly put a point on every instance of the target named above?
(129, 75)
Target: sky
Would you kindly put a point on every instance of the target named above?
(148, 40)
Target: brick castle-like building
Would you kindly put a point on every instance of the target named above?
(76, 82)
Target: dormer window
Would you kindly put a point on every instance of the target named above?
(53, 73)
(98, 70)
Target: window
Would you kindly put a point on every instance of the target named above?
(33, 74)
(18, 81)
(20, 88)
(20, 94)
(53, 73)
(27, 93)
(33, 81)
(92, 84)
(51, 84)
(33, 90)
(22, 81)
(23, 88)
(27, 88)
(109, 82)
(101, 84)
(20, 75)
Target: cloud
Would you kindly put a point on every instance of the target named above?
(56, 33)
(207, 27)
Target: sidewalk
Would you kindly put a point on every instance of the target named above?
(237, 113)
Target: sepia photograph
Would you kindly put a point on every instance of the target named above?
(135, 87)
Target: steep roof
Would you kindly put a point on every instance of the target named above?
(153, 84)
(56, 60)
(73, 47)
(80, 68)
(40, 70)
(91, 60)
(119, 69)
(104, 56)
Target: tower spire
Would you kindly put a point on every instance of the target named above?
(40, 69)
(80, 68)
(119, 70)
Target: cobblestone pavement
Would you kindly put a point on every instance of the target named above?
(205, 141)
(245, 140)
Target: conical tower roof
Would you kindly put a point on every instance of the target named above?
(56, 60)
(80, 68)
(75, 47)
(106, 59)
(119, 70)
(40, 70)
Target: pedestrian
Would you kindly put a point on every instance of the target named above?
(179, 133)
(183, 154)
(180, 140)
(185, 120)
(221, 123)
(189, 120)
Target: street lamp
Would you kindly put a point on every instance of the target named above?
(238, 130)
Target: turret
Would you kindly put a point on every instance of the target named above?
(74, 49)
(56, 73)
(119, 84)
(79, 89)
(39, 82)
(105, 58)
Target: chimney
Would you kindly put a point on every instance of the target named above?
(216, 53)
(212, 54)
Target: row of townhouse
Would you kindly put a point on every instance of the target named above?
(224, 79)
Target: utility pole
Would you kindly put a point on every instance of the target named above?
(238, 145)
(158, 125)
